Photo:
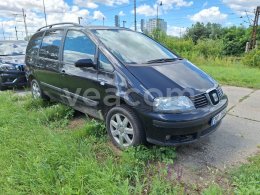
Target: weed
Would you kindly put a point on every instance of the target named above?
(246, 179)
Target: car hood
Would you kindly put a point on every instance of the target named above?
(180, 77)
(15, 60)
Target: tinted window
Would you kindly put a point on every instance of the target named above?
(104, 63)
(78, 46)
(51, 44)
(34, 44)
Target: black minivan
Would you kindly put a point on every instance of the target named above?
(142, 90)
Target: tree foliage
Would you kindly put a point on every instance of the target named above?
(209, 40)
(235, 39)
(200, 31)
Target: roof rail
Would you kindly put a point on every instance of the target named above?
(57, 24)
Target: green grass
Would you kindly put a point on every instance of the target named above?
(240, 76)
(40, 154)
(228, 70)
(246, 179)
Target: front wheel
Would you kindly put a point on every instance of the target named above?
(124, 127)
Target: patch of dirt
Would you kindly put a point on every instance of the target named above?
(77, 122)
(195, 180)
(116, 150)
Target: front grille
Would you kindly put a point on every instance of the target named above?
(200, 101)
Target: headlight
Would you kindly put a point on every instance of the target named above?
(6, 67)
(173, 104)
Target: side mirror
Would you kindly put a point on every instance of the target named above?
(84, 63)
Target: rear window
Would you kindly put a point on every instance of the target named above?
(34, 44)
(51, 44)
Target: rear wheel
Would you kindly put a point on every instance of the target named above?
(1, 85)
(124, 127)
(37, 91)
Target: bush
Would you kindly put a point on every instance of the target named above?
(209, 47)
(179, 45)
(252, 58)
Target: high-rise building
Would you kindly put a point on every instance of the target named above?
(151, 25)
(142, 25)
(117, 21)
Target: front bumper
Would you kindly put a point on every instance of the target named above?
(176, 129)
(13, 78)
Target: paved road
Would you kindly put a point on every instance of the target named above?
(236, 139)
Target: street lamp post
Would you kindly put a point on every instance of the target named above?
(79, 18)
(44, 12)
(157, 18)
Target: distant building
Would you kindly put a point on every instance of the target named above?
(142, 25)
(117, 21)
(151, 25)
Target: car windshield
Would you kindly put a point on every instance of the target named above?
(134, 48)
(12, 48)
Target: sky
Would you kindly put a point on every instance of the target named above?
(179, 14)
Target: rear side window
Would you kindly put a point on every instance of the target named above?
(51, 44)
(78, 46)
(34, 44)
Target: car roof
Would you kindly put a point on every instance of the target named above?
(69, 25)
(106, 28)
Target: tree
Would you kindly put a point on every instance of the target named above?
(197, 31)
(200, 31)
(235, 39)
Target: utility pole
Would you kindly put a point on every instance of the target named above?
(124, 23)
(3, 30)
(255, 27)
(16, 33)
(44, 12)
(135, 14)
(25, 25)
(103, 21)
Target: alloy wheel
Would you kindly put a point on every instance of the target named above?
(122, 130)
(36, 91)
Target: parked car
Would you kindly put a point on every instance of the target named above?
(142, 90)
(12, 66)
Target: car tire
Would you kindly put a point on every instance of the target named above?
(124, 127)
(37, 91)
(1, 86)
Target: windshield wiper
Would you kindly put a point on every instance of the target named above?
(162, 60)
